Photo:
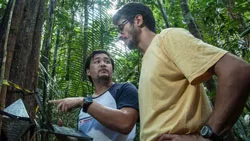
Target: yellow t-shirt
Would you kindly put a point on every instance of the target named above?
(171, 96)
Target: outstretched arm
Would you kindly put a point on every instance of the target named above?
(67, 104)
(121, 120)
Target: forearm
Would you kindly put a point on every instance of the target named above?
(115, 119)
(228, 107)
(68, 104)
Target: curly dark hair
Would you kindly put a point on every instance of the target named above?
(130, 10)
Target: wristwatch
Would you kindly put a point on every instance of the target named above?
(87, 101)
(206, 132)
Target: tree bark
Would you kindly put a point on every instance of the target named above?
(85, 38)
(23, 51)
(190, 20)
(101, 27)
(3, 60)
(46, 57)
(24, 68)
(164, 14)
(68, 65)
(14, 29)
(53, 71)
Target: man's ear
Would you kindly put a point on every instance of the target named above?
(88, 72)
(138, 20)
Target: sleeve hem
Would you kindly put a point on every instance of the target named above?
(195, 77)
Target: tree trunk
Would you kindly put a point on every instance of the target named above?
(164, 14)
(3, 60)
(15, 25)
(68, 65)
(93, 31)
(190, 20)
(210, 84)
(85, 38)
(101, 27)
(46, 57)
(23, 51)
(55, 56)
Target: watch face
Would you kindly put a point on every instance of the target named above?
(206, 131)
(88, 99)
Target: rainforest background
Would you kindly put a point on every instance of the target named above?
(44, 44)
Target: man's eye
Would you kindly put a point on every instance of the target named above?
(120, 28)
(97, 62)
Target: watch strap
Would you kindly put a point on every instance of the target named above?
(87, 101)
(215, 137)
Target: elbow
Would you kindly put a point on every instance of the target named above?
(245, 78)
(241, 78)
(248, 80)
(125, 132)
(126, 129)
(242, 82)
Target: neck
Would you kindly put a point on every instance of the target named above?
(100, 88)
(145, 39)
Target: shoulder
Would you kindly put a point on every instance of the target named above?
(126, 95)
(123, 88)
(174, 30)
(176, 37)
(125, 85)
(120, 87)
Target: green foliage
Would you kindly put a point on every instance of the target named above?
(220, 27)
(130, 62)
(3, 4)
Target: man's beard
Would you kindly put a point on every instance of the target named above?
(133, 43)
(104, 78)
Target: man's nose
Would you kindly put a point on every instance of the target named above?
(120, 36)
(102, 63)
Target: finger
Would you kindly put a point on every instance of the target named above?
(50, 101)
(59, 106)
(166, 137)
(55, 101)
(64, 108)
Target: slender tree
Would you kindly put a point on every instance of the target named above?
(85, 36)
(193, 28)
(163, 12)
(45, 55)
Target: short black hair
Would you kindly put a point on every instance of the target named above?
(130, 10)
(91, 56)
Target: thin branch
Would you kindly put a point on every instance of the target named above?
(5, 47)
